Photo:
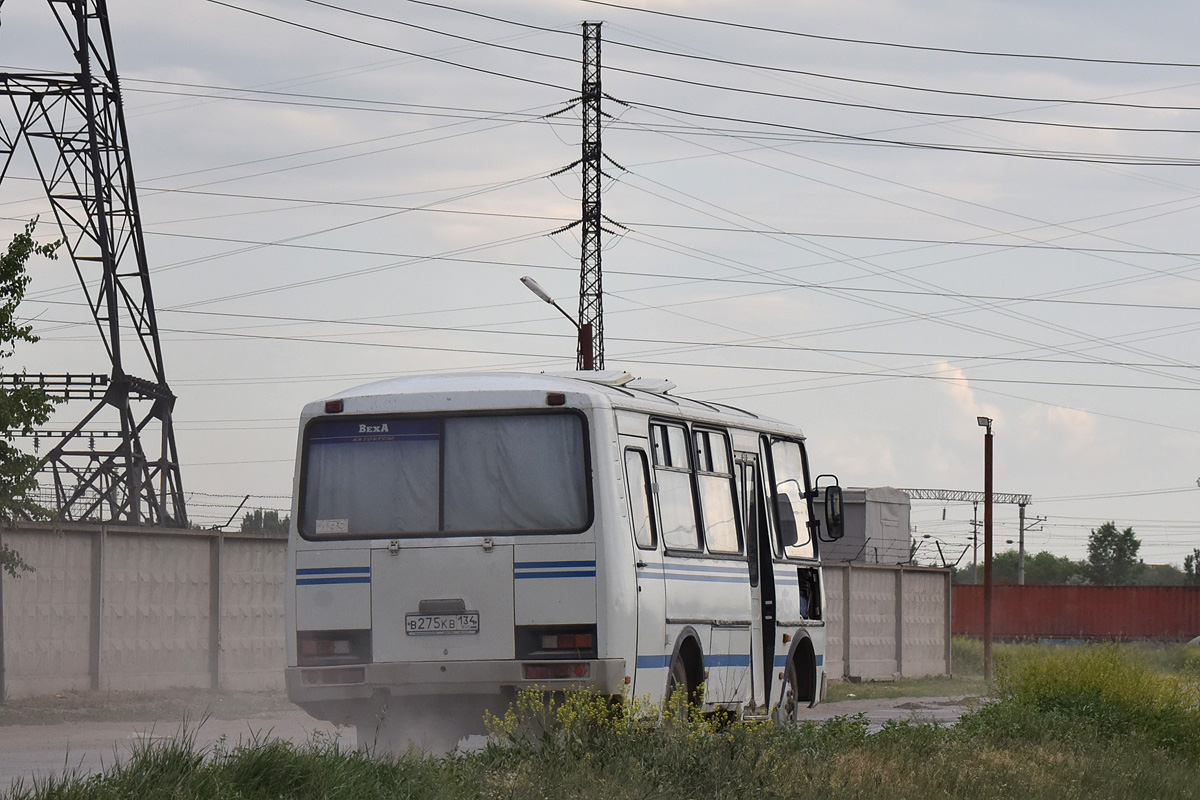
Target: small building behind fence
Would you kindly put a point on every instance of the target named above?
(877, 527)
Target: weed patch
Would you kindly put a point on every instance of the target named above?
(1091, 722)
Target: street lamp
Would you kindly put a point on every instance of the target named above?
(986, 422)
(585, 330)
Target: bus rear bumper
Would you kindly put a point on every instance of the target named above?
(319, 685)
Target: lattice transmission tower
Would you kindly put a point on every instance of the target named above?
(591, 294)
(119, 463)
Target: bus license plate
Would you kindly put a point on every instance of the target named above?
(418, 624)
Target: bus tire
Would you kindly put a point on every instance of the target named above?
(799, 682)
(788, 710)
(684, 677)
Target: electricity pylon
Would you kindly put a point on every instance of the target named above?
(126, 469)
(591, 294)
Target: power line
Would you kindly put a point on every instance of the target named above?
(783, 348)
(1021, 245)
(810, 74)
(393, 21)
(1106, 495)
(940, 317)
(718, 280)
(1080, 157)
(1067, 156)
(476, 190)
(898, 45)
(1061, 101)
(762, 93)
(664, 362)
(300, 99)
(376, 45)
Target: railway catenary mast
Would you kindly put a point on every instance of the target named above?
(119, 463)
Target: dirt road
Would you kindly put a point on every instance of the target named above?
(31, 752)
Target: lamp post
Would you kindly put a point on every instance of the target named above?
(986, 422)
(585, 330)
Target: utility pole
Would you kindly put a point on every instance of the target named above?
(1021, 549)
(119, 462)
(591, 296)
(986, 422)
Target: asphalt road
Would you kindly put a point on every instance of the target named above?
(37, 752)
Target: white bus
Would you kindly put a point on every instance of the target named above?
(457, 538)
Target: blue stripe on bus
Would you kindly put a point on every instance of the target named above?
(334, 571)
(578, 574)
(740, 570)
(729, 660)
(320, 581)
(653, 662)
(662, 662)
(781, 661)
(542, 564)
(709, 578)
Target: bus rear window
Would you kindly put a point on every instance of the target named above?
(398, 476)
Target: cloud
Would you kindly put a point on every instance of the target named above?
(959, 388)
(1072, 431)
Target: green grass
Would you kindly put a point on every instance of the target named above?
(1103, 721)
(933, 686)
(967, 658)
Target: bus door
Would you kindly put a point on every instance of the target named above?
(762, 585)
(652, 660)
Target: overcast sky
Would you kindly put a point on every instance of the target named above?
(830, 215)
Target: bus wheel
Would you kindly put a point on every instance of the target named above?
(789, 703)
(681, 692)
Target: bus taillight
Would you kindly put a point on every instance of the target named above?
(327, 648)
(567, 641)
(552, 642)
(561, 671)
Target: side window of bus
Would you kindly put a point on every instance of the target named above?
(714, 478)
(792, 532)
(637, 480)
(673, 484)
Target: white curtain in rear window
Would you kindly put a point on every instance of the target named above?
(378, 487)
(515, 473)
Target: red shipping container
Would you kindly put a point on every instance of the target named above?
(1160, 613)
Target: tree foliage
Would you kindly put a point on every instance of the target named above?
(1113, 555)
(1191, 567)
(22, 407)
(259, 521)
(1159, 575)
(1041, 569)
(1047, 569)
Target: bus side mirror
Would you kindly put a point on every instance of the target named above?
(789, 534)
(834, 524)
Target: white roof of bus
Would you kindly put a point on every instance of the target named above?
(608, 388)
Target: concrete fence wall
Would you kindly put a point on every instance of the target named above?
(119, 608)
(111, 607)
(899, 621)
